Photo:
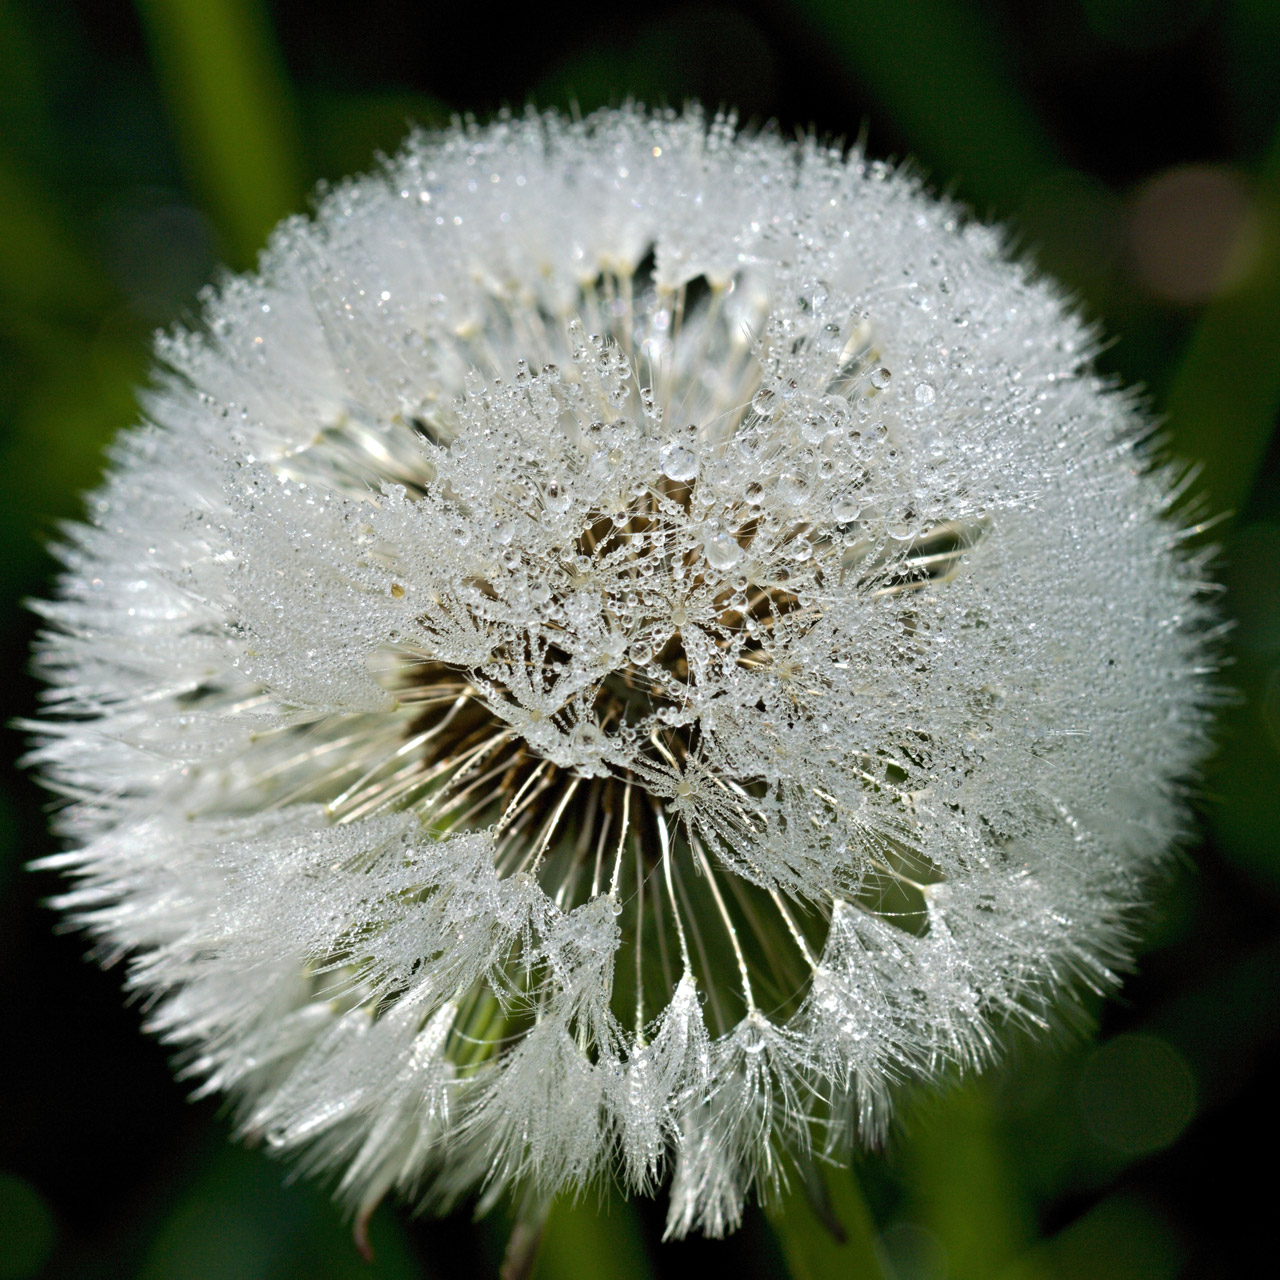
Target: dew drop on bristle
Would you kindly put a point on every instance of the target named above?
(678, 462)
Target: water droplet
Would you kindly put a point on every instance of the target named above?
(763, 401)
(815, 427)
(835, 409)
(577, 341)
(539, 593)
(902, 526)
(925, 393)
(503, 531)
(830, 338)
(557, 497)
(880, 378)
(722, 550)
(678, 462)
(793, 487)
(652, 409)
(845, 507)
(750, 443)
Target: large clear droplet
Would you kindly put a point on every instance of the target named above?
(750, 442)
(793, 487)
(722, 550)
(845, 507)
(678, 462)
(557, 497)
(814, 428)
(764, 401)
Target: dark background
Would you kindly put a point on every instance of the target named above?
(1131, 145)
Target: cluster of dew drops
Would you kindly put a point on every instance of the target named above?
(709, 495)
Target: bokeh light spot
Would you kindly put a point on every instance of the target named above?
(1193, 232)
(1137, 1094)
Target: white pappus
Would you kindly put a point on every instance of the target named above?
(623, 640)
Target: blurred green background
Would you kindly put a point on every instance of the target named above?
(1133, 147)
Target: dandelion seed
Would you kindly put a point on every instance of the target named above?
(537, 698)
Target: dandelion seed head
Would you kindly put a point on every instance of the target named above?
(621, 642)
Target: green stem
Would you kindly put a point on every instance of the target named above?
(824, 1228)
(963, 1187)
(590, 1240)
(525, 1240)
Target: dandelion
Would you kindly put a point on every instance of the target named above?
(623, 641)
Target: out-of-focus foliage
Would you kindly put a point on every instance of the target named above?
(1132, 145)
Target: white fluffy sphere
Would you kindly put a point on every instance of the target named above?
(619, 643)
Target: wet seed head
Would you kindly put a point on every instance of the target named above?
(621, 642)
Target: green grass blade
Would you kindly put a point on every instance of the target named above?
(938, 70)
(227, 93)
